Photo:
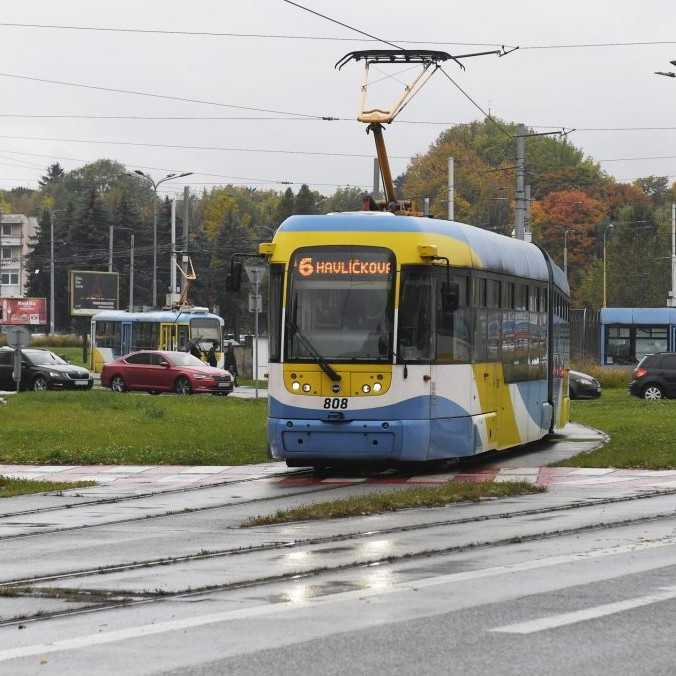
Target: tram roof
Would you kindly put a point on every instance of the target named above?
(496, 252)
(167, 316)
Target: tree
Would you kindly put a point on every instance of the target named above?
(54, 174)
(576, 212)
(306, 201)
(285, 207)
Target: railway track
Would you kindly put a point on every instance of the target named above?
(112, 598)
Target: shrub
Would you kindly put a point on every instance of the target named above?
(608, 376)
(64, 340)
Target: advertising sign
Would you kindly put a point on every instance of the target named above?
(23, 311)
(93, 291)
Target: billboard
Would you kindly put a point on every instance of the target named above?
(93, 291)
(23, 311)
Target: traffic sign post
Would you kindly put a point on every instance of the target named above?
(255, 272)
(18, 337)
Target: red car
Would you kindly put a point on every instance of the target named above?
(153, 371)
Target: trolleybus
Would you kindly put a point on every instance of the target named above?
(115, 333)
(400, 338)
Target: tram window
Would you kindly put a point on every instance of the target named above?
(494, 333)
(532, 299)
(275, 311)
(521, 297)
(415, 316)
(544, 297)
(493, 293)
(480, 352)
(108, 334)
(146, 336)
(479, 292)
(453, 331)
(507, 301)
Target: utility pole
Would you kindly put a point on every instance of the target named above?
(51, 272)
(376, 179)
(0, 254)
(451, 189)
(131, 274)
(110, 247)
(521, 205)
(172, 262)
(186, 232)
(671, 300)
(527, 234)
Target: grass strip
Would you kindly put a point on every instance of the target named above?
(10, 488)
(392, 501)
(102, 427)
(642, 433)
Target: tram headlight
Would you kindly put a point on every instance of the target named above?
(366, 389)
(307, 387)
(377, 387)
(295, 386)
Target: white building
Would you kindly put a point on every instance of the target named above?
(16, 232)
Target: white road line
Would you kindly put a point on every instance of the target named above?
(266, 609)
(555, 621)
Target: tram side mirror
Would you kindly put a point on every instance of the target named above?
(450, 298)
(233, 281)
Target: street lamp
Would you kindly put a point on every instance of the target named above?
(610, 226)
(155, 185)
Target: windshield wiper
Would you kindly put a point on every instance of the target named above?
(323, 364)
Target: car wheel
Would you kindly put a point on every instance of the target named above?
(39, 384)
(652, 392)
(117, 384)
(183, 386)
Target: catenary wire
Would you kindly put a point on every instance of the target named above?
(154, 95)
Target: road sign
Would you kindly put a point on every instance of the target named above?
(18, 337)
(255, 302)
(255, 272)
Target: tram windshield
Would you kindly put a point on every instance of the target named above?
(206, 329)
(340, 304)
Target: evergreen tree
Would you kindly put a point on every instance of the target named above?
(305, 202)
(54, 174)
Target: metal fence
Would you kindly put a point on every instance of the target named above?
(584, 335)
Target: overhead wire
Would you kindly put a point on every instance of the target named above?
(167, 97)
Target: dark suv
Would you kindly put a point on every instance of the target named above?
(655, 376)
(42, 370)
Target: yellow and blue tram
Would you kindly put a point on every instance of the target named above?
(400, 338)
(116, 332)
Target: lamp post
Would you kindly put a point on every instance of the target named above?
(155, 185)
(610, 226)
(131, 260)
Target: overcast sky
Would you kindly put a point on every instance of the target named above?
(592, 87)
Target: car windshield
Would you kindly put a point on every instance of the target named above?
(43, 358)
(185, 359)
(340, 304)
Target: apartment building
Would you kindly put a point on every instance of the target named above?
(16, 232)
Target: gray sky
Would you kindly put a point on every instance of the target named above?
(593, 87)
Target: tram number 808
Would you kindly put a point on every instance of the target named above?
(335, 403)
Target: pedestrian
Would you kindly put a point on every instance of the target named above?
(211, 357)
(195, 351)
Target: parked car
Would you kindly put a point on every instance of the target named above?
(655, 376)
(583, 386)
(42, 370)
(157, 371)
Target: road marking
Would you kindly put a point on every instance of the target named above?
(555, 621)
(266, 609)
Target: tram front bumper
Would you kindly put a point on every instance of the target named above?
(400, 440)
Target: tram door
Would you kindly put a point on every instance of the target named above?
(174, 337)
(126, 337)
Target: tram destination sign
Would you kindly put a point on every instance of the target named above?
(93, 291)
(337, 264)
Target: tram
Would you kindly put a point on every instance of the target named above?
(405, 339)
(115, 333)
